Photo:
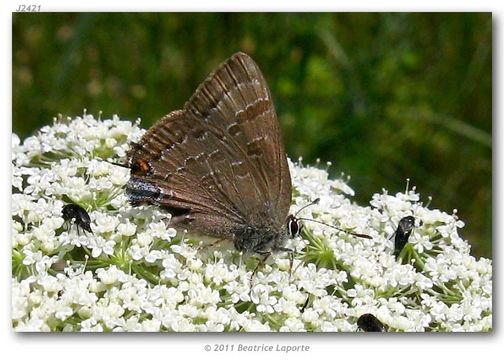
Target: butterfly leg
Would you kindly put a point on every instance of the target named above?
(212, 244)
(260, 263)
(291, 263)
(283, 249)
(291, 257)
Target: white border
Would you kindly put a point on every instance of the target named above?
(174, 346)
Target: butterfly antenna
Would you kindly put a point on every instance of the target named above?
(314, 202)
(337, 228)
(114, 163)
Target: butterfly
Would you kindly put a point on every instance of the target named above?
(219, 165)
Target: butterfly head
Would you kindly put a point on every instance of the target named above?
(294, 226)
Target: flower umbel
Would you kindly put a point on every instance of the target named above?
(135, 273)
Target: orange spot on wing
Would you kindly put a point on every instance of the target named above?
(141, 166)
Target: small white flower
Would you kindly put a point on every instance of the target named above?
(111, 275)
(106, 223)
(310, 316)
(293, 324)
(127, 228)
(171, 267)
(153, 256)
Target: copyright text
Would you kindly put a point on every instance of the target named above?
(257, 348)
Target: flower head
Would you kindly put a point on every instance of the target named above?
(134, 272)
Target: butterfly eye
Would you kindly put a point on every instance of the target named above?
(293, 226)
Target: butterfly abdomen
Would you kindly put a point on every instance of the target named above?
(141, 192)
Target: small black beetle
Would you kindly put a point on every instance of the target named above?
(403, 232)
(82, 219)
(369, 323)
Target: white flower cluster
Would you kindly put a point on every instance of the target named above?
(135, 273)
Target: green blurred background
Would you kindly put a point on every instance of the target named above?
(383, 96)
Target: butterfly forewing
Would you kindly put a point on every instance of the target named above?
(218, 164)
(236, 102)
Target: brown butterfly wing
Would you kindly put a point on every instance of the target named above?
(220, 163)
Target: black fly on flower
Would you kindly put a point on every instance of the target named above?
(73, 213)
(402, 233)
(369, 323)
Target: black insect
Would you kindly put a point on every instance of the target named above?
(369, 323)
(403, 232)
(79, 216)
